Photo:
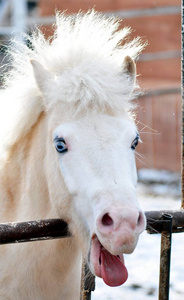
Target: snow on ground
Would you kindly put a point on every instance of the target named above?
(143, 264)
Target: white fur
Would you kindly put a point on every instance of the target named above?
(78, 86)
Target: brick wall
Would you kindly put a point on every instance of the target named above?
(48, 6)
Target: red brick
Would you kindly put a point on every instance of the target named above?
(160, 72)
(161, 32)
(48, 6)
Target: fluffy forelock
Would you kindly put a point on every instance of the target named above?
(85, 57)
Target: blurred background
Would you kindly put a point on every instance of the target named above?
(158, 119)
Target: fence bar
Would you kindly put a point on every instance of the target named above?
(33, 231)
(182, 87)
(165, 257)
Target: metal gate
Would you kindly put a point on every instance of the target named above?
(163, 222)
(158, 222)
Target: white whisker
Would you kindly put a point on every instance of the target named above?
(147, 132)
(144, 127)
(139, 154)
(144, 163)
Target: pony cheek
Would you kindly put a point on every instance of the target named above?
(68, 179)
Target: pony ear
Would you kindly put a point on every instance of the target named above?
(40, 73)
(129, 69)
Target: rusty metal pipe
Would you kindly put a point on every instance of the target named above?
(88, 282)
(155, 220)
(165, 257)
(33, 231)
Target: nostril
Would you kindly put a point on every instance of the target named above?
(107, 220)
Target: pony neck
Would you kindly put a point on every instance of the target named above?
(24, 178)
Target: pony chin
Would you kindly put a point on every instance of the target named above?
(111, 268)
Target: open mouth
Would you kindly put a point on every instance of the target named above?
(109, 267)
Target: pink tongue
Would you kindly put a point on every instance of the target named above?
(113, 270)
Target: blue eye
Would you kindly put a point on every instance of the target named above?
(60, 145)
(135, 142)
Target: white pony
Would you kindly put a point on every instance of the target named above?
(67, 150)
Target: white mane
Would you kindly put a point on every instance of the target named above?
(84, 57)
